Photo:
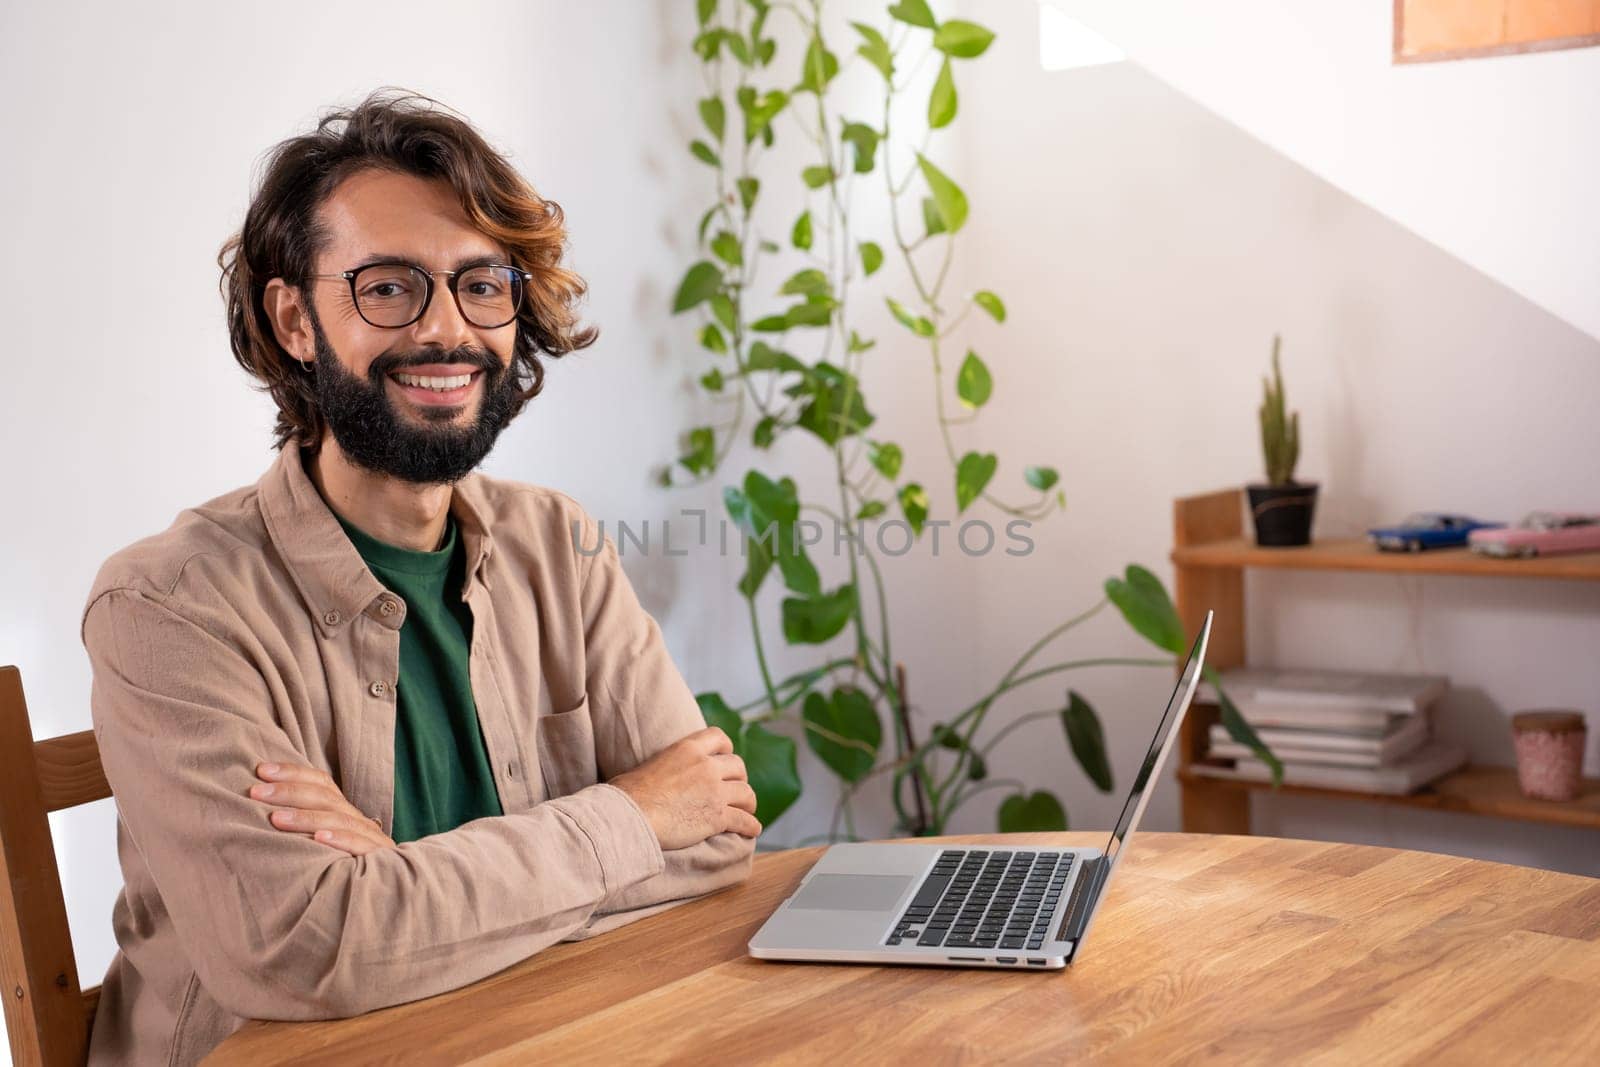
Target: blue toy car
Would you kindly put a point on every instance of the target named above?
(1427, 529)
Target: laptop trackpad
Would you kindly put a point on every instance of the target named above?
(851, 892)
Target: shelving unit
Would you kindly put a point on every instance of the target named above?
(1210, 554)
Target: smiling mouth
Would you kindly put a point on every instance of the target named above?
(426, 394)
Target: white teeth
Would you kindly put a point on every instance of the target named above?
(437, 384)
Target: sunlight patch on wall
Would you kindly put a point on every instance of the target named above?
(1065, 43)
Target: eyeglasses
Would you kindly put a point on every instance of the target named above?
(394, 295)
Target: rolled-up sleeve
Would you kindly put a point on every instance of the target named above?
(641, 704)
(279, 926)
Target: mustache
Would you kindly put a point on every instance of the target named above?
(479, 359)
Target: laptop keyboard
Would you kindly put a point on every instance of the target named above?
(981, 899)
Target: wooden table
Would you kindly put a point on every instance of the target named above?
(1237, 949)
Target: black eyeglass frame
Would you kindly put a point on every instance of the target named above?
(519, 276)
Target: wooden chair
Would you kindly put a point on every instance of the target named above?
(47, 1015)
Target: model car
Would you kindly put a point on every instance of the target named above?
(1541, 533)
(1427, 529)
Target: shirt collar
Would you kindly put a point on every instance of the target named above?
(329, 572)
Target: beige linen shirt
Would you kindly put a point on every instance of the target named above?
(251, 630)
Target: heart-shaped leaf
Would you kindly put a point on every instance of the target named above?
(769, 763)
(1039, 811)
(714, 115)
(850, 714)
(871, 258)
(914, 505)
(698, 284)
(716, 712)
(813, 620)
(942, 101)
(972, 474)
(1041, 478)
(990, 303)
(1144, 603)
(946, 193)
(914, 12)
(962, 39)
(973, 383)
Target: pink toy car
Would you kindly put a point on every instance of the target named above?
(1541, 533)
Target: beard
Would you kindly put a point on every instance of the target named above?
(377, 437)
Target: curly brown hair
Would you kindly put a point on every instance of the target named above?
(397, 130)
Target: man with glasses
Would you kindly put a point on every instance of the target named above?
(380, 725)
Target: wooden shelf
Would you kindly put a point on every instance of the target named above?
(1476, 790)
(1360, 555)
(1210, 555)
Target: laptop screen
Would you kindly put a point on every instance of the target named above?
(1149, 771)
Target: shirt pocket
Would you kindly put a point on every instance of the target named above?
(565, 742)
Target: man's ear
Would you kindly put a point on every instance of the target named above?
(290, 323)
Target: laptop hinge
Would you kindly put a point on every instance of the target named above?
(1084, 893)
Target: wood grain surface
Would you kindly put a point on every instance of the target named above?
(1217, 948)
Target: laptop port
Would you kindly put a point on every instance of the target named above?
(1005, 959)
(1036, 963)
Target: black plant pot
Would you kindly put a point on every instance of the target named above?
(1282, 513)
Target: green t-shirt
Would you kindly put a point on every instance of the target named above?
(442, 776)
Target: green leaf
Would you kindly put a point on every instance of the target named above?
(942, 102)
(704, 8)
(871, 509)
(813, 620)
(875, 50)
(990, 303)
(712, 380)
(836, 407)
(769, 763)
(701, 456)
(722, 310)
(706, 44)
(738, 46)
(871, 257)
(1041, 478)
(885, 458)
(932, 221)
(818, 68)
(714, 115)
(817, 310)
(770, 324)
(761, 436)
(1088, 741)
(946, 193)
(705, 220)
(914, 12)
(914, 506)
(977, 769)
(703, 153)
(766, 512)
(1144, 603)
(711, 337)
(716, 713)
(1240, 730)
(915, 323)
(972, 474)
(804, 282)
(764, 357)
(698, 284)
(816, 177)
(800, 236)
(1034, 812)
(748, 188)
(864, 139)
(962, 39)
(973, 383)
(769, 245)
(858, 343)
(759, 111)
(850, 714)
(725, 246)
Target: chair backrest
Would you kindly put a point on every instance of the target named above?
(47, 1015)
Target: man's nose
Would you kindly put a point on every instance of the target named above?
(442, 323)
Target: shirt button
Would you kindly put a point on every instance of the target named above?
(331, 618)
(511, 770)
(377, 689)
(388, 606)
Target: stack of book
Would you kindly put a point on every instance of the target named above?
(1334, 729)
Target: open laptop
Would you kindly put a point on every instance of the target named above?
(965, 905)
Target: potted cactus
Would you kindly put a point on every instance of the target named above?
(1282, 508)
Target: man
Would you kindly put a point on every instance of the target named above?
(379, 726)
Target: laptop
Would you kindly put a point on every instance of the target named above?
(1019, 906)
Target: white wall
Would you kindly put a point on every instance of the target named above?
(1148, 251)
(1494, 160)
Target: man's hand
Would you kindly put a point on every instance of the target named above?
(312, 804)
(692, 789)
